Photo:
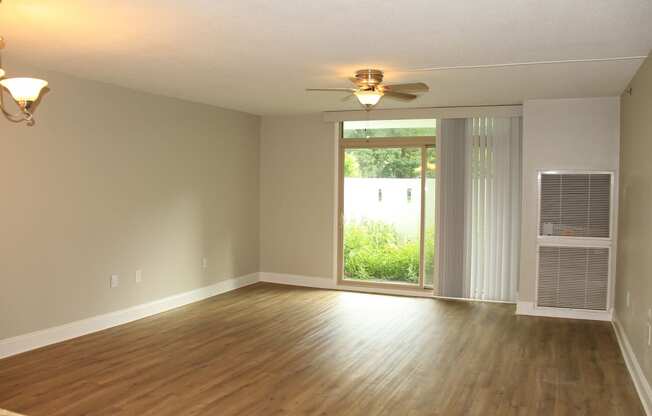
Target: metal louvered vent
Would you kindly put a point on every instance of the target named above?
(574, 241)
(573, 277)
(575, 205)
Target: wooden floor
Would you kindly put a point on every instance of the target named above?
(278, 350)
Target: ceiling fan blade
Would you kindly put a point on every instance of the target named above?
(411, 87)
(399, 96)
(332, 89)
(347, 98)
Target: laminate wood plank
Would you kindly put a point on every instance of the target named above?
(7, 413)
(279, 350)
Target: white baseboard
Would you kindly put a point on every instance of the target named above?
(297, 280)
(38, 339)
(329, 283)
(528, 308)
(640, 381)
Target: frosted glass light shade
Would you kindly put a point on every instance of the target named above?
(24, 89)
(368, 98)
(2, 73)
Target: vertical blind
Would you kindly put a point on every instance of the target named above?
(492, 208)
(451, 168)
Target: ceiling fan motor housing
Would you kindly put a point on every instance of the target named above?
(370, 77)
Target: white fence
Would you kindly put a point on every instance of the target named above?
(392, 201)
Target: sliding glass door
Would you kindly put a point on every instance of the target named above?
(388, 205)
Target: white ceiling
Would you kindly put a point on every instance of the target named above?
(259, 55)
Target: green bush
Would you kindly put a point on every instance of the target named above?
(374, 250)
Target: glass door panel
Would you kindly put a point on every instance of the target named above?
(382, 215)
(430, 214)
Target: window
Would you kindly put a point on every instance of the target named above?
(388, 129)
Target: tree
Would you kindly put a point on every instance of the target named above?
(384, 163)
(351, 167)
(390, 132)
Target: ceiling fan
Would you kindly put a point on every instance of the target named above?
(369, 88)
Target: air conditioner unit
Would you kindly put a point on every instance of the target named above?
(574, 243)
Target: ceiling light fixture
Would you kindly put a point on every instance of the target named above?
(368, 98)
(26, 92)
(369, 88)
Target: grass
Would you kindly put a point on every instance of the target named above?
(374, 250)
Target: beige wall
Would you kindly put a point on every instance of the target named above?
(298, 172)
(634, 274)
(567, 134)
(297, 203)
(111, 181)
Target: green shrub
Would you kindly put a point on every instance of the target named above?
(374, 250)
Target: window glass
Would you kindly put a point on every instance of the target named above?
(430, 235)
(389, 128)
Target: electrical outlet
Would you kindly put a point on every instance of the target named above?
(139, 276)
(204, 263)
(115, 281)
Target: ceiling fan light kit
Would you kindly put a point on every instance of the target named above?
(369, 88)
(368, 98)
(26, 92)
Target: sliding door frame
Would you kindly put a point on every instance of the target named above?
(422, 143)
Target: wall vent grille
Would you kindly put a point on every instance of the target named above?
(575, 241)
(573, 277)
(575, 205)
